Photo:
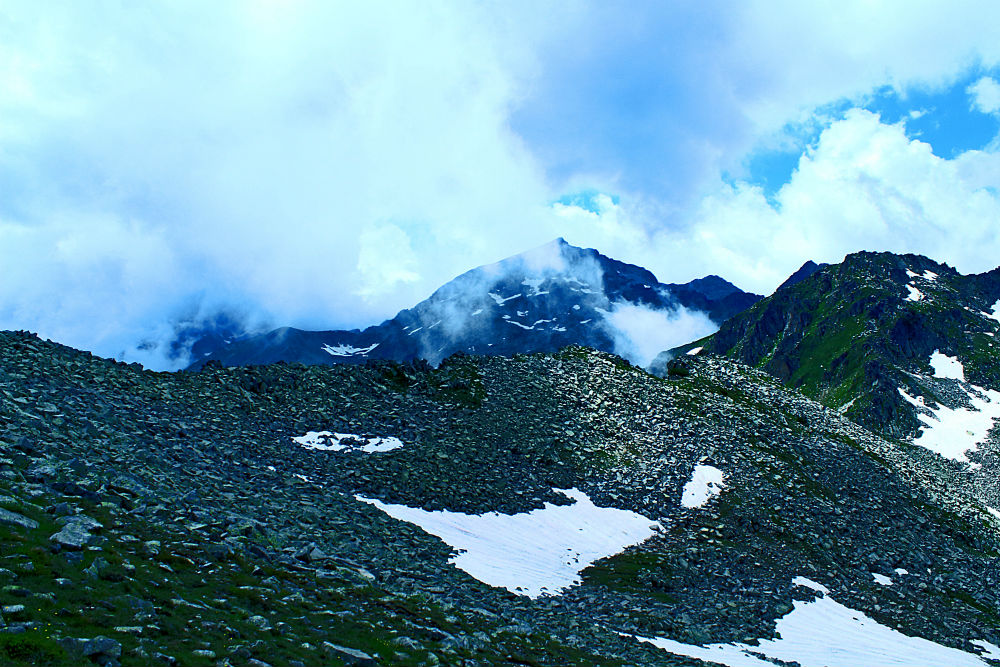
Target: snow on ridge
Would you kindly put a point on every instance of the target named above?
(336, 442)
(706, 482)
(946, 367)
(534, 553)
(345, 350)
(825, 633)
(694, 351)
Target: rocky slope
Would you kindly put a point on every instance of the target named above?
(539, 301)
(175, 519)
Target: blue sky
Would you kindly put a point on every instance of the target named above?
(325, 164)
(945, 116)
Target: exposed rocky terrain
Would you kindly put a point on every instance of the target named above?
(539, 301)
(155, 518)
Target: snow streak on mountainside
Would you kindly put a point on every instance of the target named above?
(538, 301)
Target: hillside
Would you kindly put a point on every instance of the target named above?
(270, 515)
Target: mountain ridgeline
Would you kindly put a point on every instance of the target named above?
(852, 334)
(539, 301)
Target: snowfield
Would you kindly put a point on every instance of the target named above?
(534, 553)
(337, 442)
(825, 633)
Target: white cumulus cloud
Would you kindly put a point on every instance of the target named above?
(985, 95)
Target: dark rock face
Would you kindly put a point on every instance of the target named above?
(539, 301)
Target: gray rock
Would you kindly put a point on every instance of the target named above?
(73, 536)
(349, 656)
(14, 519)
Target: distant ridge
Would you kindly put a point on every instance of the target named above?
(538, 301)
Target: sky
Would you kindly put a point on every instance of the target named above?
(325, 164)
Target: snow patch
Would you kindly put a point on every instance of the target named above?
(336, 442)
(534, 553)
(502, 300)
(901, 572)
(995, 315)
(348, 350)
(988, 650)
(825, 633)
(915, 294)
(477, 312)
(523, 326)
(694, 351)
(881, 579)
(946, 367)
(706, 482)
(951, 432)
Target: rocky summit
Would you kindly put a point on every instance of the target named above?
(561, 508)
(539, 301)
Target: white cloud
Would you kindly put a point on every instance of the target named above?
(985, 95)
(865, 186)
(640, 333)
(326, 164)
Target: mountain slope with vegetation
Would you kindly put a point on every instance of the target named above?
(246, 514)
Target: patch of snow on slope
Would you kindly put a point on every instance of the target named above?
(805, 582)
(336, 442)
(694, 351)
(501, 300)
(534, 553)
(915, 294)
(946, 367)
(535, 285)
(881, 579)
(523, 326)
(705, 483)
(952, 432)
(825, 633)
(995, 315)
(348, 350)
(991, 651)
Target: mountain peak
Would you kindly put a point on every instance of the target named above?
(540, 300)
